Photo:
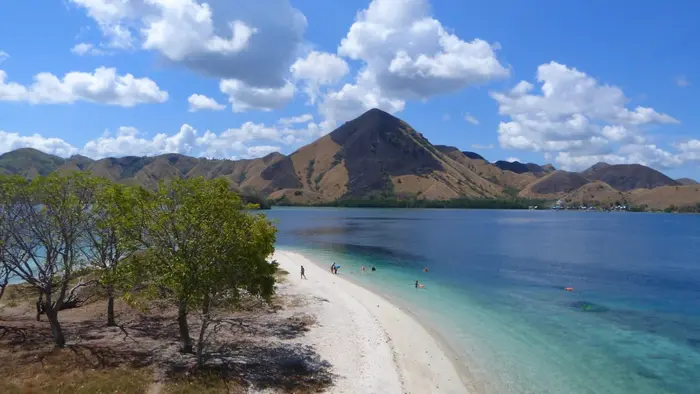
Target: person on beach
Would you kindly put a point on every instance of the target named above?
(333, 268)
(303, 276)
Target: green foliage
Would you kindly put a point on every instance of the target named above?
(42, 223)
(203, 250)
(385, 201)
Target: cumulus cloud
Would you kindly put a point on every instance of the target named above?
(318, 69)
(199, 102)
(128, 142)
(305, 118)
(104, 86)
(412, 55)
(85, 48)
(252, 41)
(354, 99)
(578, 120)
(244, 97)
(259, 151)
(55, 146)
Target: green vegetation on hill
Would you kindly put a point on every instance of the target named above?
(388, 202)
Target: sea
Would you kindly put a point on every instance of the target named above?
(495, 296)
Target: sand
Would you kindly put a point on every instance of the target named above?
(374, 346)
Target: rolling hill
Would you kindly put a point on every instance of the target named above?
(597, 193)
(377, 156)
(625, 177)
(554, 185)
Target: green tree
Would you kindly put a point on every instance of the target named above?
(111, 234)
(44, 218)
(204, 250)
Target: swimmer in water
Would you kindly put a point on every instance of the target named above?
(425, 269)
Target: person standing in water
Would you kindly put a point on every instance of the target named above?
(303, 276)
(416, 284)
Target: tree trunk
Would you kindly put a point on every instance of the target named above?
(202, 330)
(59, 339)
(38, 306)
(185, 341)
(200, 343)
(110, 307)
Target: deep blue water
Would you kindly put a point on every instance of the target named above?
(494, 290)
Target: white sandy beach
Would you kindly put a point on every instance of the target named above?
(374, 346)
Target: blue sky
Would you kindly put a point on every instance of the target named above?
(570, 83)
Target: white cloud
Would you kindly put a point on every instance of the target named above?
(318, 69)
(85, 48)
(252, 41)
(127, 142)
(354, 99)
(103, 86)
(578, 119)
(411, 55)
(246, 141)
(682, 81)
(690, 150)
(55, 146)
(305, 118)
(244, 97)
(259, 151)
(198, 102)
(479, 146)
(446, 117)
(512, 159)
(184, 28)
(3, 56)
(471, 119)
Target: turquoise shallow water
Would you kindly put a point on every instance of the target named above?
(494, 290)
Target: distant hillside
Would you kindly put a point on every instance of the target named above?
(378, 154)
(597, 193)
(380, 157)
(488, 171)
(666, 196)
(625, 177)
(554, 185)
(521, 168)
(592, 170)
(29, 163)
(687, 181)
(473, 155)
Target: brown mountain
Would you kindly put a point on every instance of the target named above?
(377, 154)
(554, 185)
(597, 193)
(488, 171)
(687, 181)
(521, 168)
(625, 177)
(665, 196)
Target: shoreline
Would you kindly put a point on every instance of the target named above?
(373, 344)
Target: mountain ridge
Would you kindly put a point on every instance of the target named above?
(375, 155)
